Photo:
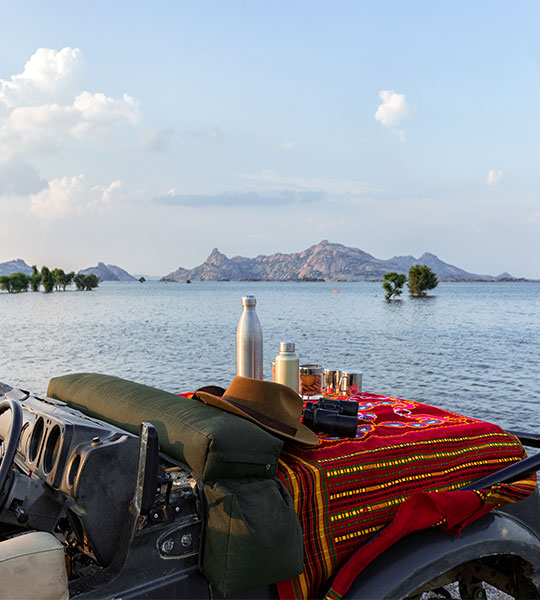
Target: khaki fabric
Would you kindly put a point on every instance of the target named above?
(32, 566)
(212, 442)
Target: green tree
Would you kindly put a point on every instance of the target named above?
(19, 282)
(68, 278)
(5, 283)
(47, 279)
(62, 279)
(393, 284)
(421, 278)
(85, 282)
(78, 280)
(14, 283)
(35, 279)
(58, 275)
(90, 282)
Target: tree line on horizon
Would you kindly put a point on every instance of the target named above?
(421, 278)
(50, 280)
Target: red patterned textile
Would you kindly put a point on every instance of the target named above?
(406, 456)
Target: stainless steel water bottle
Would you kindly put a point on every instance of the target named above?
(287, 366)
(249, 341)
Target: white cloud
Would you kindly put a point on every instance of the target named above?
(47, 75)
(287, 145)
(42, 114)
(31, 128)
(242, 198)
(67, 195)
(19, 178)
(268, 179)
(494, 176)
(97, 112)
(393, 109)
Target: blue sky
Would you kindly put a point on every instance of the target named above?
(145, 133)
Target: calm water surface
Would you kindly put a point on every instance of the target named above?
(471, 348)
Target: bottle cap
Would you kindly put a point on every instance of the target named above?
(249, 301)
(286, 346)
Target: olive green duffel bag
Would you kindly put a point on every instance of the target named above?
(215, 444)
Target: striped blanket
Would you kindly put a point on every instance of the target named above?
(406, 455)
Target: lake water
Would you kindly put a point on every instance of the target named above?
(470, 347)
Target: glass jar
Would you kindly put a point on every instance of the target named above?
(311, 380)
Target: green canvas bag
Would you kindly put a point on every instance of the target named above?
(212, 442)
(253, 536)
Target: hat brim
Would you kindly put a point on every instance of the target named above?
(303, 435)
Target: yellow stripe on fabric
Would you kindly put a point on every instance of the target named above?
(359, 532)
(371, 508)
(368, 508)
(408, 459)
(321, 507)
(299, 588)
(420, 443)
(293, 479)
(420, 477)
(302, 586)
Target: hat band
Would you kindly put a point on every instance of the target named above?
(264, 419)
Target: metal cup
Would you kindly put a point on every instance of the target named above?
(350, 383)
(331, 380)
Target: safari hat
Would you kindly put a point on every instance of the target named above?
(274, 406)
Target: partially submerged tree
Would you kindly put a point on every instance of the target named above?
(85, 282)
(91, 281)
(58, 277)
(47, 279)
(35, 279)
(5, 283)
(62, 280)
(19, 282)
(421, 279)
(14, 283)
(393, 284)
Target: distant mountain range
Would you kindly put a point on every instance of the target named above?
(325, 261)
(108, 273)
(103, 271)
(15, 266)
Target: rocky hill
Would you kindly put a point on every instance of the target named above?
(326, 261)
(108, 273)
(15, 266)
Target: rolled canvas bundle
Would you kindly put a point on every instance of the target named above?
(213, 443)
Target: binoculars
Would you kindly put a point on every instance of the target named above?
(339, 418)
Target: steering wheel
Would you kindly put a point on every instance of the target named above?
(9, 446)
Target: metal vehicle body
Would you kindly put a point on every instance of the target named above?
(131, 520)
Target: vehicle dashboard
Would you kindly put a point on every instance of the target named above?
(72, 472)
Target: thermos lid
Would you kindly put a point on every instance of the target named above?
(249, 301)
(286, 346)
(311, 370)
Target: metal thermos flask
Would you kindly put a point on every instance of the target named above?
(249, 341)
(286, 366)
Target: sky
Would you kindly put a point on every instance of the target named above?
(144, 134)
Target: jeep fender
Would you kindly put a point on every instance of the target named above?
(421, 556)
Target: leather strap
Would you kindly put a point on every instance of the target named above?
(265, 419)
